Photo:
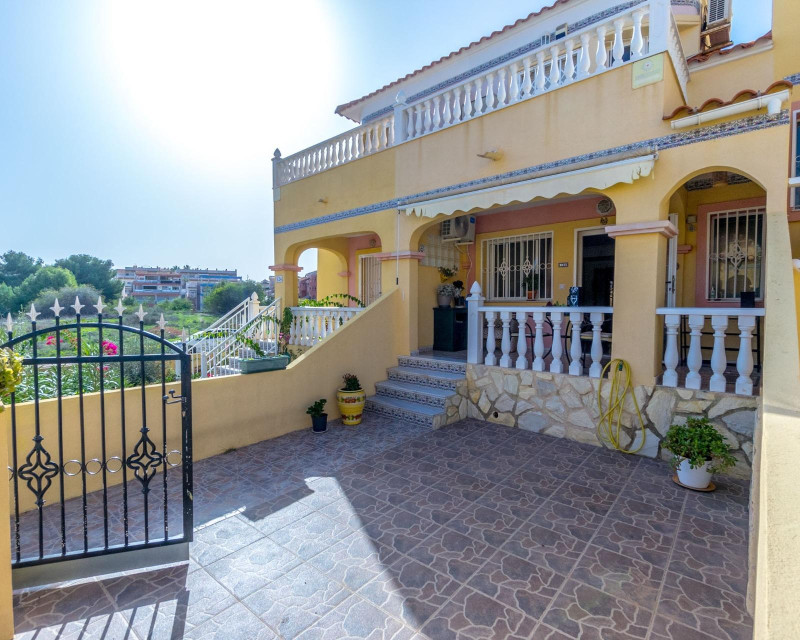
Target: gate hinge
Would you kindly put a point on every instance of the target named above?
(171, 398)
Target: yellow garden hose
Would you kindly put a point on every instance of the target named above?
(608, 429)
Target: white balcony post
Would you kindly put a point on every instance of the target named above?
(490, 358)
(402, 130)
(575, 351)
(469, 106)
(541, 81)
(744, 361)
(671, 358)
(427, 116)
(456, 105)
(505, 342)
(436, 119)
(600, 55)
(569, 62)
(557, 347)
(619, 46)
(637, 42)
(474, 325)
(489, 106)
(513, 84)
(538, 341)
(446, 112)
(718, 360)
(522, 345)
(527, 83)
(501, 86)
(555, 70)
(419, 127)
(409, 123)
(694, 359)
(596, 367)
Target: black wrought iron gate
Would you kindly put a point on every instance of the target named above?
(101, 441)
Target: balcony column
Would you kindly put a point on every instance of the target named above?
(639, 274)
(286, 283)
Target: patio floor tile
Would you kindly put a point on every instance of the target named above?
(393, 531)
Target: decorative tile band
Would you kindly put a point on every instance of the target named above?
(794, 78)
(670, 141)
(506, 57)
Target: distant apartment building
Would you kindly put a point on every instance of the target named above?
(157, 284)
(307, 286)
(268, 284)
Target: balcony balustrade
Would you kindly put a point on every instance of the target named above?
(312, 324)
(590, 47)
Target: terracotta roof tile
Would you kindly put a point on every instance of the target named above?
(716, 103)
(555, 4)
(703, 57)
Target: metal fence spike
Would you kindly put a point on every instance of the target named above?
(56, 308)
(77, 306)
(99, 306)
(161, 322)
(140, 314)
(120, 308)
(33, 313)
(9, 323)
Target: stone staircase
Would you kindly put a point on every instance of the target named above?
(422, 390)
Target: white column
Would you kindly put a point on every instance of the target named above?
(501, 87)
(718, 360)
(527, 83)
(619, 47)
(489, 92)
(600, 55)
(575, 352)
(694, 359)
(490, 359)
(505, 343)
(457, 105)
(596, 368)
(427, 116)
(555, 70)
(569, 62)
(522, 343)
(671, 357)
(446, 113)
(409, 123)
(585, 56)
(538, 341)
(419, 127)
(468, 104)
(513, 85)
(474, 325)
(540, 79)
(637, 42)
(437, 117)
(744, 361)
(556, 364)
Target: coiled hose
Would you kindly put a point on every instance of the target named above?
(609, 427)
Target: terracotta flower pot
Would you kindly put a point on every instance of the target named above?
(351, 405)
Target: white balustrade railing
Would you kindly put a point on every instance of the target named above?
(312, 324)
(720, 319)
(608, 43)
(550, 327)
(228, 324)
(346, 147)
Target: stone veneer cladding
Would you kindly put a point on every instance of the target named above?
(566, 406)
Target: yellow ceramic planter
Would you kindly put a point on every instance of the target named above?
(351, 405)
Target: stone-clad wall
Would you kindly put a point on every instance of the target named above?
(566, 406)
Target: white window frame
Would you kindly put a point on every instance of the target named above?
(712, 249)
(542, 264)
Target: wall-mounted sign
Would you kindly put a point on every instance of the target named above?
(563, 264)
(648, 71)
(278, 279)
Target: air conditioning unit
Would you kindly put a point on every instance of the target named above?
(716, 31)
(718, 11)
(460, 229)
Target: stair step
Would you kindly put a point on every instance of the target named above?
(426, 377)
(434, 364)
(422, 394)
(405, 410)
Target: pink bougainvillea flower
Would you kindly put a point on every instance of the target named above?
(50, 341)
(109, 348)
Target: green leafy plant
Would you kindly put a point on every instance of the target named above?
(10, 372)
(698, 442)
(332, 301)
(445, 290)
(351, 382)
(531, 281)
(318, 408)
(445, 273)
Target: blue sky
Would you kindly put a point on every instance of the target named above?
(143, 131)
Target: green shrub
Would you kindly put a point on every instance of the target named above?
(699, 442)
(351, 382)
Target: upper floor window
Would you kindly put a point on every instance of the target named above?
(515, 265)
(735, 253)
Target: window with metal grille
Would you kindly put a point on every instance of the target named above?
(514, 265)
(735, 253)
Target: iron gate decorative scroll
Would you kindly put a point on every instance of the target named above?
(99, 477)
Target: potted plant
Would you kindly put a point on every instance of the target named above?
(445, 273)
(699, 451)
(351, 399)
(319, 419)
(10, 373)
(445, 294)
(531, 282)
(261, 361)
(458, 285)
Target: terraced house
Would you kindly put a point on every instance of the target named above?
(601, 181)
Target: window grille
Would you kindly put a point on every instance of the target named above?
(735, 253)
(516, 264)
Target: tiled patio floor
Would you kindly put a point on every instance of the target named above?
(392, 531)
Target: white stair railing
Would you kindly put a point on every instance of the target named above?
(312, 324)
(218, 350)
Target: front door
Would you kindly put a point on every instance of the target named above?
(596, 268)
